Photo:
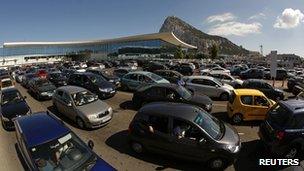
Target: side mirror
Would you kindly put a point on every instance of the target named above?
(91, 144)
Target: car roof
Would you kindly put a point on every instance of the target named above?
(255, 80)
(40, 128)
(9, 90)
(179, 110)
(200, 77)
(139, 72)
(163, 85)
(295, 105)
(71, 89)
(241, 92)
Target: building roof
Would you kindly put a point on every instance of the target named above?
(40, 128)
(165, 36)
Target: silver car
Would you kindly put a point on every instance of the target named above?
(82, 106)
(208, 86)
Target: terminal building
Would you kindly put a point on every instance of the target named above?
(16, 53)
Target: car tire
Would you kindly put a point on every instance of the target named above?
(224, 96)
(217, 163)
(3, 124)
(292, 152)
(237, 118)
(137, 147)
(80, 123)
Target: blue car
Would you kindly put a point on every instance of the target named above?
(46, 144)
(134, 80)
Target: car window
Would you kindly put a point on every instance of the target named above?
(247, 100)
(59, 93)
(159, 123)
(260, 101)
(66, 98)
(183, 129)
(133, 77)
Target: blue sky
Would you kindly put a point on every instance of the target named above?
(245, 22)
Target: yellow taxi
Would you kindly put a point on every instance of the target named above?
(248, 104)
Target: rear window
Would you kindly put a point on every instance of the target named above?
(247, 100)
(279, 115)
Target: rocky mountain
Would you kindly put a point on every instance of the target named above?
(203, 41)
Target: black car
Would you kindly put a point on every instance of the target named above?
(26, 78)
(252, 73)
(111, 78)
(184, 131)
(264, 87)
(41, 88)
(120, 72)
(57, 78)
(282, 132)
(152, 66)
(170, 93)
(13, 105)
(280, 75)
(170, 75)
(185, 70)
(93, 82)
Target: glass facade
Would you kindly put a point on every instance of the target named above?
(105, 48)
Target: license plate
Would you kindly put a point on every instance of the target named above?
(112, 92)
(105, 119)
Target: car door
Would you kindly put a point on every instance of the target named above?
(188, 145)
(246, 107)
(155, 94)
(58, 100)
(133, 81)
(198, 85)
(260, 107)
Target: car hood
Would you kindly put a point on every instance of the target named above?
(93, 108)
(12, 110)
(105, 84)
(231, 136)
(200, 99)
(102, 165)
(228, 87)
(47, 88)
(162, 81)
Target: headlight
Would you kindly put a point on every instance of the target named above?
(105, 89)
(233, 148)
(5, 119)
(110, 109)
(111, 81)
(43, 93)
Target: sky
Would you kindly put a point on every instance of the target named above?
(275, 24)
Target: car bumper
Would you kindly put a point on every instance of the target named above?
(100, 122)
(105, 95)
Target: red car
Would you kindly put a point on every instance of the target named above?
(41, 73)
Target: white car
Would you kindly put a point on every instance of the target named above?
(228, 79)
(209, 86)
(215, 70)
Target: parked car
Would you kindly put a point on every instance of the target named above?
(266, 88)
(170, 75)
(41, 73)
(46, 143)
(13, 105)
(82, 106)
(248, 104)
(208, 86)
(19, 76)
(152, 66)
(120, 72)
(292, 82)
(282, 131)
(215, 70)
(170, 93)
(57, 78)
(6, 83)
(41, 88)
(252, 73)
(133, 80)
(184, 131)
(26, 78)
(94, 83)
(227, 79)
(185, 70)
(111, 78)
(280, 75)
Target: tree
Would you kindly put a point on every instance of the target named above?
(179, 54)
(213, 51)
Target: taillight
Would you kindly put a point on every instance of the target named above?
(280, 135)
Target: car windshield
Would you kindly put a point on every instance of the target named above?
(184, 93)
(218, 82)
(11, 97)
(42, 82)
(84, 97)
(96, 79)
(210, 124)
(65, 153)
(155, 77)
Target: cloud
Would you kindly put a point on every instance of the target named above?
(257, 16)
(221, 17)
(289, 18)
(235, 28)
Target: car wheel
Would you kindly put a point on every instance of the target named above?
(237, 118)
(137, 147)
(217, 163)
(292, 152)
(224, 96)
(3, 124)
(80, 123)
